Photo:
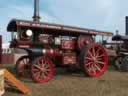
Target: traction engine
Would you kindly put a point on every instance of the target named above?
(51, 45)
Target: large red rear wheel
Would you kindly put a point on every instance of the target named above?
(95, 60)
(22, 66)
(41, 69)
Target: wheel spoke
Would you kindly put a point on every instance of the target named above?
(23, 61)
(89, 68)
(47, 69)
(93, 69)
(89, 63)
(38, 75)
(90, 54)
(46, 73)
(26, 60)
(36, 70)
(99, 62)
(45, 64)
(37, 66)
(102, 55)
(97, 52)
(97, 67)
(88, 58)
(93, 51)
(99, 59)
(43, 74)
(42, 62)
(39, 63)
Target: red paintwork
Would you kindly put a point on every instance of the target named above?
(84, 41)
(52, 52)
(20, 44)
(68, 44)
(69, 58)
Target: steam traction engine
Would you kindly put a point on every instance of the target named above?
(47, 44)
(121, 59)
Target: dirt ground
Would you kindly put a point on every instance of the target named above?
(112, 83)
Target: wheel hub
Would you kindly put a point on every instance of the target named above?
(94, 59)
(43, 69)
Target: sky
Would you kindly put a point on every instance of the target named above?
(107, 15)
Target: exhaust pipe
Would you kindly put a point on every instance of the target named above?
(36, 17)
(126, 25)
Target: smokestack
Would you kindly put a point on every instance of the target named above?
(36, 17)
(126, 25)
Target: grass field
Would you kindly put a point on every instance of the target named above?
(112, 83)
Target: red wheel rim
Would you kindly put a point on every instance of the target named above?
(42, 70)
(95, 61)
(83, 41)
(22, 66)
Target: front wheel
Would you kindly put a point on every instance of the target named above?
(41, 69)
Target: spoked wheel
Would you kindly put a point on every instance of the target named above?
(118, 63)
(84, 41)
(22, 66)
(121, 63)
(124, 66)
(41, 70)
(94, 60)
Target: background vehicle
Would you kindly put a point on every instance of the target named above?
(121, 60)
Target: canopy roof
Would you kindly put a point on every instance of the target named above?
(14, 23)
(119, 38)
